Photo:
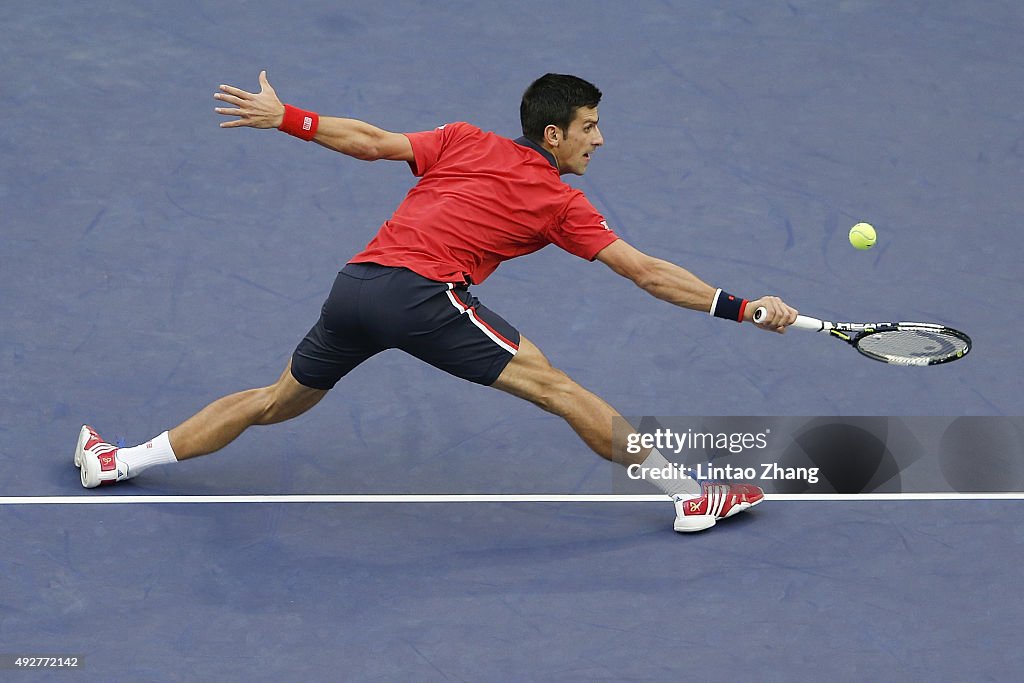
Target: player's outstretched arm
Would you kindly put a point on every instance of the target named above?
(349, 136)
(678, 286)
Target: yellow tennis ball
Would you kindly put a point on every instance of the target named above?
(862, 236)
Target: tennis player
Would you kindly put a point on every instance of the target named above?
(481, 199)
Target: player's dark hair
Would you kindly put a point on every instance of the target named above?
(554, 99)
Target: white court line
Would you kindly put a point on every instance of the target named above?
(475, 498)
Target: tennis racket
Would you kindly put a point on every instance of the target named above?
(901, 343)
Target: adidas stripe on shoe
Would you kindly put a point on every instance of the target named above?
(97, 460)
(717, 502)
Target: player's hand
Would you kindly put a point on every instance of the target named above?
(778, 315)
(256, 110)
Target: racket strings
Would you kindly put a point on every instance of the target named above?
(913, 345)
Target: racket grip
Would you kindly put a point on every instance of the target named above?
(803, 322)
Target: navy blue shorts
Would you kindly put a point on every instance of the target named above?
(372, 308)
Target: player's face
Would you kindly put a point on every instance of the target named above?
(582, 138)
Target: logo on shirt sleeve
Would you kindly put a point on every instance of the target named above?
(604, 224)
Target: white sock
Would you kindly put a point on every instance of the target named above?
(141, 458)
(679, 486)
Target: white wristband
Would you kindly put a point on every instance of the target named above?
(714, 301)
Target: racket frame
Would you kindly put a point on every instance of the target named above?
(853, 333)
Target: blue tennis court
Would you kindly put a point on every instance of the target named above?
(152, 262)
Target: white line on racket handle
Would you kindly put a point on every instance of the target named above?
(803, 322)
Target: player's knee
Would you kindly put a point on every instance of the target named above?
(277, 406)
(530, 376)
(556, 391)
(266, 405)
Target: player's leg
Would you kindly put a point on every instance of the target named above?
(209, 430)
(221, 422)
(455, 332)
(332, 348)
(461, 336)
(529, 375)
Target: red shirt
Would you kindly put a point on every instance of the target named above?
(482, 199)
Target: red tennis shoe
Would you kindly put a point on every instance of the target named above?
(717, 502)
(98, 460)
